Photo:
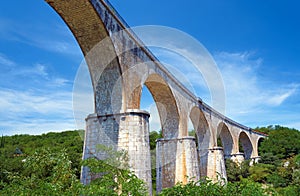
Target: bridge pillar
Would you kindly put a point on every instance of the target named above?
(128, 131)
(216, 170)
(176, 161)
(254, 160)
(238, 158)
(100, 130)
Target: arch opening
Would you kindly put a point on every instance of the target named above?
(165, 104)
(259, 145)
(225, 139)
(201, 128)
(245, 145)
(147, 103)
(203, 136)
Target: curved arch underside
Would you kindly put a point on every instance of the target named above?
(258, 143)
(83, 21)
(201, 128)
(166, 105)
(226, 139)
(247, 145)
(92, 36)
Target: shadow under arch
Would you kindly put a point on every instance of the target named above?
(166, 105)
(203, 137)
(246, 145)
(259, 143)
(226, 139)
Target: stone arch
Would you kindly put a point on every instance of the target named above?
(93, 38)
(226, 139)
(166, 105)
(203, 138)
(258, 143)
(246, 144)
(201, 128)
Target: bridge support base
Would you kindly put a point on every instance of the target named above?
(176, 161)
(127, 131)
(254, 160)
(216, 170)
(238, 158)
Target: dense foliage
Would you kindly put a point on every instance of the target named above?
(16, 148)
(279, 167)
(50, 173)
(49, 164)
(206, 187)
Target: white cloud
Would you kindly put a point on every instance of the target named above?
(279, 99)
(4, 61)
(250, 97)
(19, 103)
(31, 111)
(36, 126)
(59, 82)
(36, 75)
(34, 98)
(40, 69)
(28, 71)
(243, 85)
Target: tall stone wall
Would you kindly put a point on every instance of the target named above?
(134, 139)
(176, 161)
(128, 131)
(100, 130)
(216, 165)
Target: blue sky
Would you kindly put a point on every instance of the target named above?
(256, 45)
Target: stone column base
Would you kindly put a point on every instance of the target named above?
(254, 160)
(127, 131)
(134, 138)
(238, 158)
(176, 161)
(216, 170)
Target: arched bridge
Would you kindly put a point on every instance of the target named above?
(118, 121)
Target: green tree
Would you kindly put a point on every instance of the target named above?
(45, 173)
(153, 136)
(235, 172)
(206, 187)
(2, 142)
(260, 172)
(50, 173)
(116, 178)
(282, 142)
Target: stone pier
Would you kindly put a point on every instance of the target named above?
(254, 160)
(127, 131)
(238, 158)
(176, 161)
(100, 131)
(216, 165)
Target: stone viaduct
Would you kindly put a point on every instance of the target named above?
(118, 121)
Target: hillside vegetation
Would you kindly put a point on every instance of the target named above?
(49, 164)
